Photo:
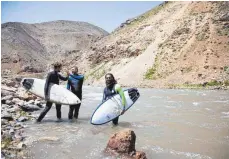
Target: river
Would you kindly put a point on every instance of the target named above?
(174, 124)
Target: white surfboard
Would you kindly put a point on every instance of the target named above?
(57, 94)
(112, 108)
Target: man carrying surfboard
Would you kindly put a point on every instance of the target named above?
(53, 77)
(75, 83)
(110, 90)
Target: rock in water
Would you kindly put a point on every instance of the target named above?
(139, 155)
(123, 143)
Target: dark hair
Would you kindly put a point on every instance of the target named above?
(57, 65)
(115, 82)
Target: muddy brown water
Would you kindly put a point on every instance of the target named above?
(174, 124)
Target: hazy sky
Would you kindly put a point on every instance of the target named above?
(107, 15)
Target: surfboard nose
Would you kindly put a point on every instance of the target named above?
(95, 121)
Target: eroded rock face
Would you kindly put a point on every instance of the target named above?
(123, 143)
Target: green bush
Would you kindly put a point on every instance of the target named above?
(150, 72)
(226, 82)
(214, 83)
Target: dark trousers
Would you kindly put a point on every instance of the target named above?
(74, 109)
(115, 121)
(47, 108)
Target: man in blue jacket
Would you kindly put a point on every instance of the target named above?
(75, 83)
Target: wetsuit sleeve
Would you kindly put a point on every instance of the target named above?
(79, 77)
(62, 77)
(68, 84)
(121, 93)
(47, 83)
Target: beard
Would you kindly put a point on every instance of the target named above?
(110, 83)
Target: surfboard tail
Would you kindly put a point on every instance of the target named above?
(134, 94)
(27, 83)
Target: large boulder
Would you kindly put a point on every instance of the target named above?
(122, 144)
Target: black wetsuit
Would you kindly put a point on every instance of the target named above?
(53, 77)
(108, 93)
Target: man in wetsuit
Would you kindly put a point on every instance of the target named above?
(110, 90)
(75, 83)
(53, 77)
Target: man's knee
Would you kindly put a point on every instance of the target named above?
(115, 121)
(48, 106)
(77, 107)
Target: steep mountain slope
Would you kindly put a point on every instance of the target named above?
(20, 49)
(30, 47)
(173, 44)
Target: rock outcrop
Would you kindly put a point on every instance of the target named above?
(122, 144)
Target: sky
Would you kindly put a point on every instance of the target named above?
(105, 14)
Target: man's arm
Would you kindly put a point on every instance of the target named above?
(104, 97)
(82, 78)
(79, 77)
(68, 84)
(121, 93)
(62, 77)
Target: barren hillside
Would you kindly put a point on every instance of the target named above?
(176, 43)
(30, 47)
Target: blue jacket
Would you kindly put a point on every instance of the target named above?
(75, 83)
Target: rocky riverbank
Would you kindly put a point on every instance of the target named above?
(16, 108)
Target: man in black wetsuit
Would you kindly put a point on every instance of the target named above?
(53, 77)
(110, 90)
